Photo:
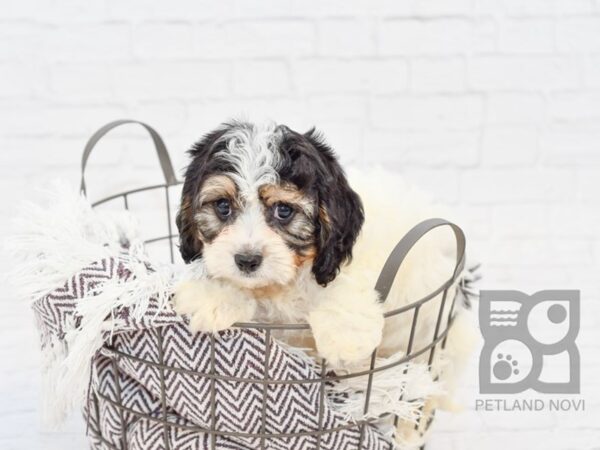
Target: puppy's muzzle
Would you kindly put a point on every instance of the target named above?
(248, 262)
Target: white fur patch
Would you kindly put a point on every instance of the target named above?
(250, 233)
(253, 152)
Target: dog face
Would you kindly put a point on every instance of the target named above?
(260, 203)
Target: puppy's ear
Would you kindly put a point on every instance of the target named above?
(190, 245)
(340, 217)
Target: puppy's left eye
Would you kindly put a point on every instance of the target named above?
(283, 212)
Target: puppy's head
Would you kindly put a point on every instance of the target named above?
(260, 203)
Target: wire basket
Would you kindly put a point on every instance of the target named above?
(445, 315)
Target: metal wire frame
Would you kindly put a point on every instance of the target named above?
(383, 285)
(439, 340)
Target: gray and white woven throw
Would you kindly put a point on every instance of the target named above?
(186, 401)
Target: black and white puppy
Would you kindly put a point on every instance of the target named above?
(268, 216)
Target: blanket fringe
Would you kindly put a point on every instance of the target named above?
(60, 233)
(50, 245)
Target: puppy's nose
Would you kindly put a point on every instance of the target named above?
(248, 262)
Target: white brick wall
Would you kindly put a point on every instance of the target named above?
(492, 105)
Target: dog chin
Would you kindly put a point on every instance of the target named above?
(254, 282)
(250, 282)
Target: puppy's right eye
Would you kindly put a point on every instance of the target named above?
(223, 208)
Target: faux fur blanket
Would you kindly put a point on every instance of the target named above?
(97, 296)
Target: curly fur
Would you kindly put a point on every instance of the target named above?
(256, 156)
(346, 317)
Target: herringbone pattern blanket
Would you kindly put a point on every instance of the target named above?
(186, 401)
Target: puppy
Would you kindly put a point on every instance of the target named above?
(269, 215)
(268, 218)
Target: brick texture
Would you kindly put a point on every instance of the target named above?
(491, 105)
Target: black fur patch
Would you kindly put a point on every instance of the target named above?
(202, 165)
(310, 164)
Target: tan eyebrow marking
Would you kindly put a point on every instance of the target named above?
(217, 186)
(286, 193)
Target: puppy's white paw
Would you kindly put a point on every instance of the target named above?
(346, 335)
(211, 305)
(345, 346)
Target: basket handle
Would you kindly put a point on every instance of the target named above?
(398, 254)
(159, 145)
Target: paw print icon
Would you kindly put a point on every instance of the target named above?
(529, 342)
(505, 367)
